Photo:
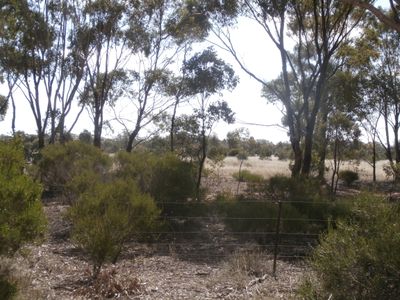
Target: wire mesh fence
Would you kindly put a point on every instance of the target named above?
(213, 231)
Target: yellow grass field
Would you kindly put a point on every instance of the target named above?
(273, 166)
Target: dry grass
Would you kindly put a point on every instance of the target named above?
(249, 275)
(19, 276)
(264, 167)
(273, 166)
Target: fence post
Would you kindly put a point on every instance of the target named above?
(277, 235)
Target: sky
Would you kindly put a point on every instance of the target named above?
(258, 53)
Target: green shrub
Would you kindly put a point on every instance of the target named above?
(7, 289)
(310, 199)
(59, 164)
(169, 180)
(8, 284)
(248, 176)
(21, 215)
(348, 177)
(138, 165)
(233, 152)
(108, 215)
(359, 259)
(244, 214)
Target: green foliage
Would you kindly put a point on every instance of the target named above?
(248, 176)
(392, 170)
(85, 137)
(3, 107)
(359, 259)
(348, 176)
(21, 215)
(108, 215)
(305, 208)
(245, 214)
(59, 164)
(283, 151)
(310, 199)
(233, 152)
(165, 177)
(7, 289)
(8, 284)
(172, 179)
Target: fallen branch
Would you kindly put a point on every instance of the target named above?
(256, 281)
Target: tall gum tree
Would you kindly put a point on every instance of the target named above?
(208, 75)
(319, 28)
(103, 32)
(380, 88)
(388, 16)
(25, 47)
(167, 29)
(43, 61)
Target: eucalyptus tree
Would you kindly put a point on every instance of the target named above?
(381, 89)
(25, 45)
(343, 135)
(389, 16)
(319, 28)
(165, 31)
(103, 32)
(342, 94)
(3, 106)
(207, 75)
(43, 60)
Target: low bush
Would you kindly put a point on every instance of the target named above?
(59, 164)
(233, 152)
(21, 214)
(305, 208)
(310, 199)
(169, 180)
(8, 286)
(244, 214)
(359, 259)
(7, 289)
(248, 176)
(108, 215)
(348, 177)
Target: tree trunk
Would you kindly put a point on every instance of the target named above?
(323, 143)
(173, 125)
(53, 130)
(388, 147)
(201, 162)
(307, 161)
(374, 160)
(131, 139)
(298, 157)
(240, 177)
(335, 170)
(97, 131)
(14, 115)
(396, 140)
(41, 139)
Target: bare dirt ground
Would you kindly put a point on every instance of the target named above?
(57, 269)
